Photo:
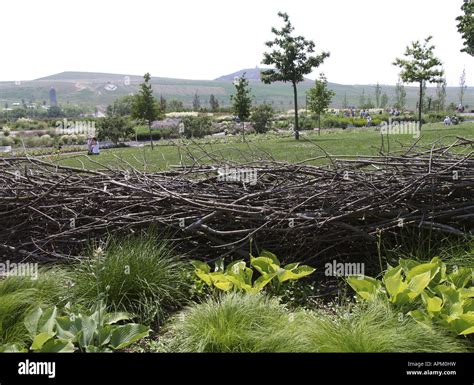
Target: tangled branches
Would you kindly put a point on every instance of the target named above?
(50, 212)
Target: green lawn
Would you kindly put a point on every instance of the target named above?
(281, 147)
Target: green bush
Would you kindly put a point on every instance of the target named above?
(139, 275)
(197, 126)
(371, 327)
(261, 118)
(233, 322)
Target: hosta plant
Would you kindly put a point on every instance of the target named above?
(238, 276)
(65, 331)
(425, 291)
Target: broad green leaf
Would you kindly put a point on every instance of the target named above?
(433, 304)
(104, 334)
(461, 277)
(112, 318)
(291, 266)
(205, 277)
(262, 281)
(32, 319)
(296, 273)
(226, 286)
(87, 331)
(40, 340)
(420, 317)
(48, 320)
(219, 265)
(407, 264)
(464, 324)
(394, 282)
(366, 287)
(58, 346)
(432, 268)
(125, 335)
(273, 257)
(418, 283)
(201, 266)
(264, 265)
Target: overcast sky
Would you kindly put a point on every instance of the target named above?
(203, 39)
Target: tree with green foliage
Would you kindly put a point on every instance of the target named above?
(175, 105)
(122, 106)
(114, 128)
(162, 103)
(242, 100)
(378, 95)
(362, 101)
(400, 95)
(345, 104)
(420, 66)
(383, 100)
(213, 103)
(292, 60)
(55, 112)
(145, 106)
(319, 98)
(196, 102)
(466, 26)
(261, 118)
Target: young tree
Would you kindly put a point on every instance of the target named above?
(378, 94)
(114, 128)
(344, 101)
(383, 100)
(319, 98)
(400, 95)
(362, 99)
(420, 66)
(261, 118)
(462, 86)
(145, 106)
(292, 60)
(214, 103)
(441, 96)
(196, 102)
(121, 106)
(162, 103)
(466, 26)
(241, 100)
(175, 105)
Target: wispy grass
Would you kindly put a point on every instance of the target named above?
(372, 327)
(138, 274)
(19, 294)
(233, 322)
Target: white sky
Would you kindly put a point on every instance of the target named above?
(203, 39)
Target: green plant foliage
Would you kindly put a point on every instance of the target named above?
(426, 292)
(238, 276)
(233, 322)
(66, 331)
(138, 274)
(371, 327)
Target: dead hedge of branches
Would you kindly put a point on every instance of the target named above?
(50, 212)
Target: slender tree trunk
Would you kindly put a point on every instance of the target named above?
(295, 94)
(243, 130)
(420, 104)
(151, 136)
(319, 124)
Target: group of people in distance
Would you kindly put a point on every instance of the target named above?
(93, 146)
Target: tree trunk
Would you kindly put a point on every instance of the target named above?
(420, 104)
(319, 124)
(295, 94)
(243, 130)
(151, 137)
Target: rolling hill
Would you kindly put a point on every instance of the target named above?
(101, 89)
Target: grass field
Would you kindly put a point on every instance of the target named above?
(282, 147)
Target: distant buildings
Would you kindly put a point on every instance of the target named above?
(53, 101)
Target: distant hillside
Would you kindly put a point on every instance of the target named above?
(101, 89)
